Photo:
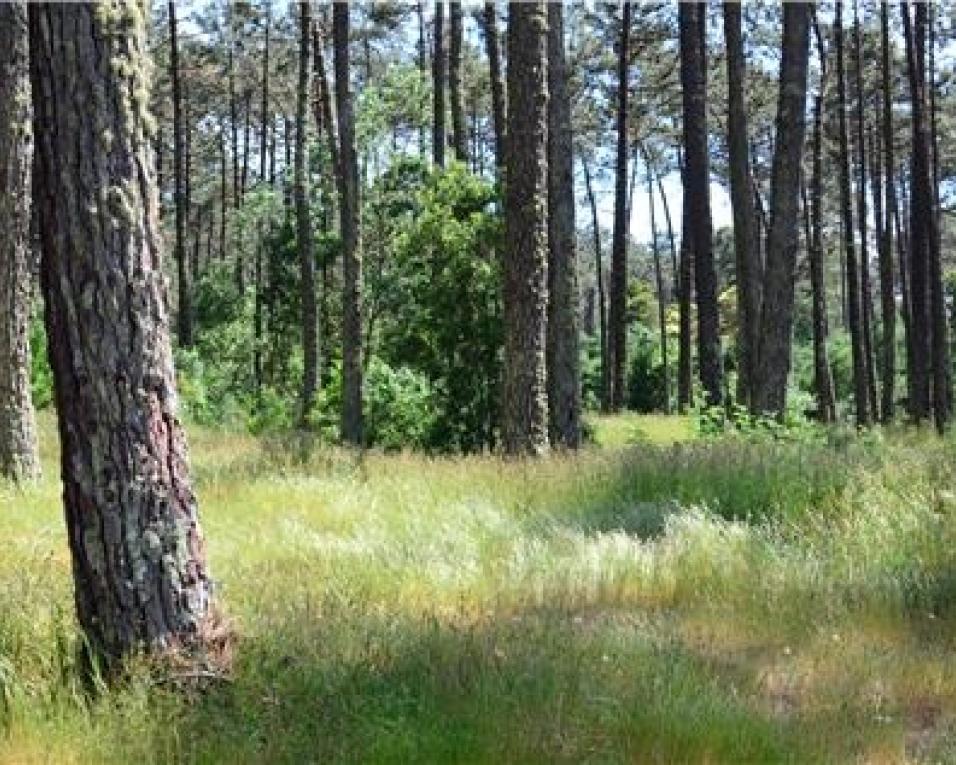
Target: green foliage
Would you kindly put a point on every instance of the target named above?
(645, 381)
(41, 375)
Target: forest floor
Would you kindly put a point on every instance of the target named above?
(654, 599)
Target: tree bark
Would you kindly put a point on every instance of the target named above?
(563, 360)
(19, 457)
(822, 373)
(184, 324)
(617, 313)
(685, 365)
(525, 397)
(351, 427)
(854, 308)
(139, 564)
(599, 278)
(438, 88)
(741, 190)
(266, 120)
(304, 243)
(693, 67)
(498, 107)
(459, 138)
(659, 280)
(887, 270)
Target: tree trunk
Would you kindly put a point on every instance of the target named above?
(525, 396)
(423, 70)
(685, 366)
(266, 120)
(928, 299)
(860, 391)
(19, 458)
(325, 109)
(693, 67)
(659, 279)
(184, 324)
(351, 245)
(224, 190)
(599, 278)
(246, 139)
(304, 244)
(745, 225)
(459, 138)
(139, 564)
(617, 314)
(438, 87)
(822, 373)
(887, 282)
(233, 114)
(498, 108)
(865, 287)
(563, 360)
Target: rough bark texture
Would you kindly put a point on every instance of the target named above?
(438, 88)
(776, 321)
(854, 307)
(822, 374)
(564, 373)
(525, 397)
(184, 324)
(685, 288)
(617, 310)
(599, 279)
(19, 459)
(303, 222)
(139, 563)
(887, 282)
(693, 67)
(459, 138)
(498, 108)
(741, 190)
(352, 430)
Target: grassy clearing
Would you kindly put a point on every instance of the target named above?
(674, 601)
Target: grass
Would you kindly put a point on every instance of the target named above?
(669, 601)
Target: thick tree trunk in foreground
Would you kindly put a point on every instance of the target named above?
(19, 459)
(184, 322)
(822, 374)
(693, 68)
(685, 364)
(459, 139)
(525, 397)
(563, 362)
(352, 430)
(745, 216)
(303, 227)
(438, 88)
(498, 108)
(139, 562)
(854, 307)
(776, 321)
(617, 310)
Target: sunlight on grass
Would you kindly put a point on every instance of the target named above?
(673, 601)
(628, 429)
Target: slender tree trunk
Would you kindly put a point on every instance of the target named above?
(459, 138)
(224, 190)
(423, 70)
(822, 373)
(325, 101)
(745, 225)
(563, 360)
(599, 278)
(524, 428)
(246, 139)
(19, 457)
(861, 394)
(352, 430)
(184, 323)
(438, 86)
(617, 315)
(266, 119)
(659, 279)
(498, 108)
(865, 287)
(139, 564)
(887, 283)
(693, 67)
(233, 114)
(304, 243)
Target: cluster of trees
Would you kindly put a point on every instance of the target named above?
(346, 258)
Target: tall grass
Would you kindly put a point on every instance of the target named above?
(668, 601)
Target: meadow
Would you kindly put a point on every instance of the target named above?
(657, 598)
